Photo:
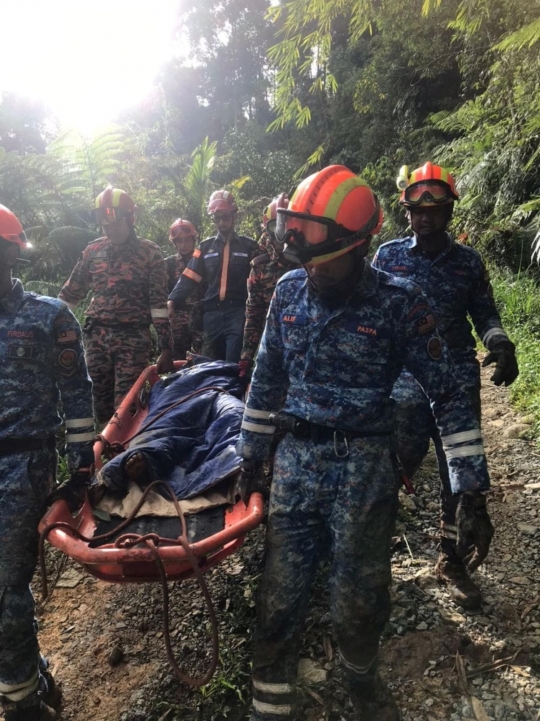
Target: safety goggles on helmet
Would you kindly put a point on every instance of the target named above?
(435, 192)
(105, 216)
(180, 232)
(327, 239)
(271, 226)
(19, 238)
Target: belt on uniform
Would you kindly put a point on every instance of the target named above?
(300, 428)
(11, 446)
(221, 304)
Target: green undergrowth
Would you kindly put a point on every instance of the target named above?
(518, 300)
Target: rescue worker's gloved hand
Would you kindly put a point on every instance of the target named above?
(244, 368)
(504, 355)
(252, 480)
(474, 529)
(73, 491)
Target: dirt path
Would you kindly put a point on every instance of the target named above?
(105, 642)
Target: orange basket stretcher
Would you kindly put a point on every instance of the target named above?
(137, 564)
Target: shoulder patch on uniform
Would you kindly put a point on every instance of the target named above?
(66, 336)
(67, 359)
(196, 253)
(434, 348)
(264, 258)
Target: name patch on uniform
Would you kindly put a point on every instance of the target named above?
(21, 352)
(240, 255)
(426, 324)
(20, 333)
(66, 336)
(398, 269)
(363, 329)
(211, 255)
(295, 319)
(67, 359)
(434, 348)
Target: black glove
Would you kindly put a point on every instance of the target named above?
(73, 491)
(504, 354)
(474, 529)
(253, 480)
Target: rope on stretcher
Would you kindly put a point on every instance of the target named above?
(152, 541)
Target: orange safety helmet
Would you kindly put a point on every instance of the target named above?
(331, 212)
(182, 229)
(270, 212)
(430, 185)
(11, 228)
(113, 204)
(221, 200)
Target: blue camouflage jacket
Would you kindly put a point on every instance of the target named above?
(457, 285)
(42, 362)
(337, 368)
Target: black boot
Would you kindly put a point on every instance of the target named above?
(452, 573)
(372, 700)
(37, 712)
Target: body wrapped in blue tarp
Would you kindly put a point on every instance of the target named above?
(192, 444)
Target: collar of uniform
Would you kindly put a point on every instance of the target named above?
(11, 302)
(367, 285)
(413, 245)
(221, 239)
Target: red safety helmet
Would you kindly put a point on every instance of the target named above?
(331, 212)
(270, 212)
(113, 204)
(221, 200)
(428, 186)
(182, 229)
(11, 228)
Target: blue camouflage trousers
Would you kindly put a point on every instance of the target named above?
(317, 496)
(414, 426)
(26, 479)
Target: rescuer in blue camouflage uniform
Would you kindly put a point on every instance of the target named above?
(41, 363)
(457, 285)
(222, 265)
(336, 337)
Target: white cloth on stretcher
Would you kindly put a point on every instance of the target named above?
(156, 505)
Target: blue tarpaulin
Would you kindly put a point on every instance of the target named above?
(192, 444)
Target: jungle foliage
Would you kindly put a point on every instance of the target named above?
(271, 91)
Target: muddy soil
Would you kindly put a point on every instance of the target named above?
(105, 642)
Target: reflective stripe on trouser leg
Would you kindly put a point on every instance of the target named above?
(362, 526)
(449, 501)
(17, 692)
